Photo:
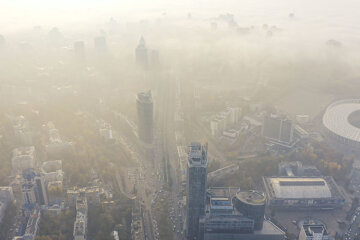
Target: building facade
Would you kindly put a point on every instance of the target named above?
(144, 104)
(196, 188)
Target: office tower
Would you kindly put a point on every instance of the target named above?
(141, 54)
(144, 104)
(100, 44)
(196, 188)
(278, 128)
(313, 232)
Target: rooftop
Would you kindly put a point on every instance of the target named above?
(302, 187)
(311, 229)
(145, 97)
(252, 197)
(197, 154)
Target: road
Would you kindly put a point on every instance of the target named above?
(159, 170)
(353, 229)
(168, 94)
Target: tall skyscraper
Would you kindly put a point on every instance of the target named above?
(144, 104)
(141, 54)
(196, 188)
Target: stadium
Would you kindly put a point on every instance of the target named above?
(303, 193)
(342, 121)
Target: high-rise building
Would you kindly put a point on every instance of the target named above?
(313, 232)
(278, 129)
(141, 54)
(196, 188)
(144, 104)
(34, 188)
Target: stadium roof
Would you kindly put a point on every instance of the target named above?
(297, 188)
(336, 119)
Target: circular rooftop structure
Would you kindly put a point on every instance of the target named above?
(252, 205)
(342, 120)
(251, 197)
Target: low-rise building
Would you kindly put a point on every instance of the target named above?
(92, 194)
(303, 192)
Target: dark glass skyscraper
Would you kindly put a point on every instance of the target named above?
(144, 104)
(196, 188)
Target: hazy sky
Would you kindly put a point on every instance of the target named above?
(320, 19)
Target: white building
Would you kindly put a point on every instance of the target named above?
(313, 232)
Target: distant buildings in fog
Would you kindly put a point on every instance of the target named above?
(141, 54)
(224, 120)
(145, 109)
(23, 158)
(146, 58)
(278, 130)
(56, 145)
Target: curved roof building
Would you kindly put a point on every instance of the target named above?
(252, 205)
(342, 120)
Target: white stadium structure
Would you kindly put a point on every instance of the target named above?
(342, 120)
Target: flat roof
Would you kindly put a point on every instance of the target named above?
(299, 187)
(252, 197)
